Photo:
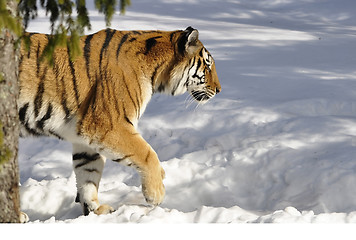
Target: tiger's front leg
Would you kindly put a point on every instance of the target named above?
(88, 167)
(134, 151)
(152, 175)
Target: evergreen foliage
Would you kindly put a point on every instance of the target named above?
(66, 28)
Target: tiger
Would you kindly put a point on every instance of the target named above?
(95, 100)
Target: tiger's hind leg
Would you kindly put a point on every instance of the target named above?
(88, 167)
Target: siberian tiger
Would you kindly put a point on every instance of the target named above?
(96, 100)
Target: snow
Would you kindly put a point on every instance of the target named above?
(277, 145)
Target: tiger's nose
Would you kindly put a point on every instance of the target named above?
(217, 90)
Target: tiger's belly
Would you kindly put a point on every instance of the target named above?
(49, 120)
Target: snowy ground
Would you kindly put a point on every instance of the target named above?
(278, 144)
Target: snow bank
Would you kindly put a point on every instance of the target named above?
(276, 145)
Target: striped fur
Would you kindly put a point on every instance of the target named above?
(95, 101)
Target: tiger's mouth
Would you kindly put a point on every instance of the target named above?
(202, 96)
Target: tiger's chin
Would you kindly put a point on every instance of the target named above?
(202, 96)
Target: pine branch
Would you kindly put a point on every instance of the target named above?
(63, 24)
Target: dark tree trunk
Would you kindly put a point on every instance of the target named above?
(9, 126)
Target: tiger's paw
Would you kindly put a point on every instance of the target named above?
(153, 188)
(24, 218)
(90, 203)
(104, 209)
(97, 209)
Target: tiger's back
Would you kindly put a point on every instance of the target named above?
(96, 100)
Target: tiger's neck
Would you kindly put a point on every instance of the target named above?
(170, 78)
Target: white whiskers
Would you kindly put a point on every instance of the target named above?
(201, 97)
(189, 100)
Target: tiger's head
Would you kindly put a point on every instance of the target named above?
(195, 72)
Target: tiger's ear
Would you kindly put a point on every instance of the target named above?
(188, 42)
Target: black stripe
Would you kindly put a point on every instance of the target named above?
(32, 131)
(39, 95)
(86, 209)
(64, 102)
(201, 52)
(187, 81)
(116, 102)
(108, 37)
(74, 79)
(77, 198)
(55, 135)
(29, 38)
(148, 156)
(40, 123)
(138, 99)
(94, 95)
(111, 96)
(175, 88)
(128, 91)
(106, 100)
(38, 98)
(154, 76)
(123, 40)
(55, 67)
(197, 69)
(133, 165)
(126, 117)
(199, 64)
(123, 158)
(161, 88)
(181, 43)
(128, 120)
(192, 64)
(20, 62)
(171, 36)
(22, 113)
(87, 52)
(132, 39)
(61, 88)
(150, 43)
(89, 103)
(139, 96)
(87, 158)
(29, 53)
(38, 61)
